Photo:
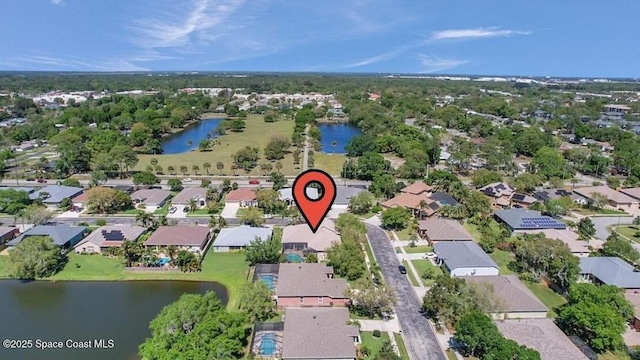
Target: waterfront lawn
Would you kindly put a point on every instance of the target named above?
(418, 249)
(331, 163)
(228, 269)
(548, 297)
(373, 343)
(502, 258)
(256, 134)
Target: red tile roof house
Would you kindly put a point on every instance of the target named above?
(108, 236)
(306, 285)
(298, 239)
(410, 198)
(192, 238)
(243, 196)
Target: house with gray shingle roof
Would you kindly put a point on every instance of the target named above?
(345, 193)
(54, 194)
(524, 219)
(109, 236)
(236, 238)
(509, 297)
(465, 258)
(609, 271)
(65, 236)
(443, 230)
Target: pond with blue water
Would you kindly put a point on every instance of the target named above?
(178, 143)
(340, 133)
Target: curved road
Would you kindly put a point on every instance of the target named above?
(419, 336)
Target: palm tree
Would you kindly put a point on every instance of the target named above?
(144, 218)
(206, 166)
(333, 145)
(192, 205)
(131, 251)
(184, 169)
(149, 168)
(220, 166)
(171, 169)
(153, 161)
(158, 169)
(172, 252)
(278, 166)
(189, 143)
(422, 205)
(234, 167)
(195, 169)
(212, 194)
(574, 181)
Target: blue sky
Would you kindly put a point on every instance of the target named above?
(593, 38)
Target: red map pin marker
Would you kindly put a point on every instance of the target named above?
(314, 210)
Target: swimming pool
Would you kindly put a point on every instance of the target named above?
(294, 258)
(269, 279)
(163, 261)
(268, 344)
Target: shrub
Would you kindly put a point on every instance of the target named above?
(101, 222)
(376, 333)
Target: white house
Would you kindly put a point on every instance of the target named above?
(465, 258)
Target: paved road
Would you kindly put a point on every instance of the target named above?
(601, 224)
(244, 182)
(132, 219)
(420, 338)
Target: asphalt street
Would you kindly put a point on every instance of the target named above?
(420, 337)
(131, 219)
(601, 224)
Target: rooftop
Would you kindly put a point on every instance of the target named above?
(459, 254)
(56, 193)
(241, 235)
(548, 194)
(611, 271)
(444, 230)
(417, 188)
(151, 196)
(345, 193)
(195, 193)
(181, 235)
(114, 235)
(507, 293)
(60, 234)
(570, 238)
(523, 219)
(320, 241)
(611, 194)
(318, 333)
(309, 279)
(633, 192)
(241, 194)
(497, 189)
(407, 200)
(542, 335)
(287, 193)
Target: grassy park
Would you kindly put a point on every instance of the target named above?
(228, 269)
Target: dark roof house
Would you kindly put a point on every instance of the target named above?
(57, 193)
(522, 219)
(610, 271)
(64, 236)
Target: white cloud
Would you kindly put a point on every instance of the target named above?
(434, 64)
(57, 2)
(478, 33)
(50, 63)
(201, 25)
(376, 59)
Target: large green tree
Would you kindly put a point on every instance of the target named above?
(266, 251)
(35, 257)
(257, 301)
(196, 327)
(395, 218)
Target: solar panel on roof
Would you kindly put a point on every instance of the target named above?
(112, 235)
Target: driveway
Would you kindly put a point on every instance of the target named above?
(230, 210)
(419, 336)
(601, 224)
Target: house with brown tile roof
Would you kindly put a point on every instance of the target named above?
(509, 297)
(319, 333)
(543, 336)
(443, 230)
(417, 188)
(304, 284)
(243, 196)
(8, 233)
(185, 237)
(108, 236)
(299, 239)
(617, 200)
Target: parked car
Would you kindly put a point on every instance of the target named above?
(254, 182)
(403, 270)
(42, 181)
(187, 180)
(173, 209)
(429, 255)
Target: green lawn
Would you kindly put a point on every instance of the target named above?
(412, 277)
(331, 163)
(398, 250)
(133, 211)
(548, 297)
(373, 343)
(418, 249)
(422, 266)
(4, 271)
(403, 349)
(229, 269)
(502, 258)
(405, 234)
(473, 230)
(451, 355)
(199, 212)
(256, 134)
(367, 248)
(628, 231)
(164, 210)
